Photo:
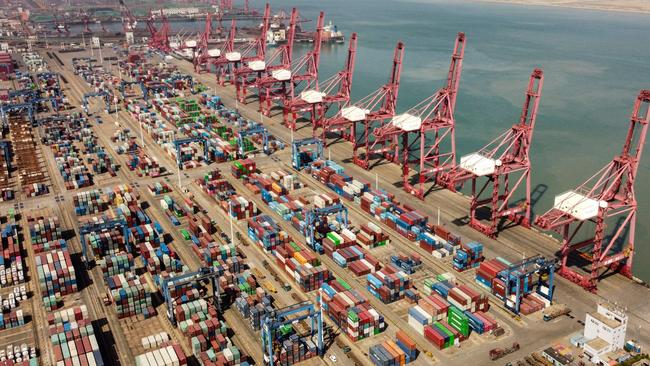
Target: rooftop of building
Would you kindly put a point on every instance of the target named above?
(559, 358)
(605, 320)
(597, 344)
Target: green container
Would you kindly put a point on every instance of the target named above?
(345, 285)
(447, 332)
(353, 316)
(333, 238)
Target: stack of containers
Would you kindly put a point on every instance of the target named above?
(350, 310)
(388, 285)
(104, 163)
(167, 203)
(372, 236)
(344, 256)
(96, 201)
(12, 319)
(302, 265)
(382, 205)
(458, 320)
(73, 338)
(293, 351)
(201, 223)
(116, 264)
(240, 168)
(11, 261)
(467, 299)
(154, 340)
(435, 306)
(131, 296)
(56, 276)
(144, 165)
(388, 353)
(263, 230)
(35, 190)
(239, 207)
(43, 230)
(74, 172)
(468, 256)
(89, 202)
(106, 242)
(418, 319)
(144, 234)
(439, 335)
(254, 308)
(159, 259)
(334, 241)
(487, 273)
(410, 264)
(159, 188)
(169, 354)
(214, 251)
(6, 194)
(406, 344)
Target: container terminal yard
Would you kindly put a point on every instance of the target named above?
(235, 207)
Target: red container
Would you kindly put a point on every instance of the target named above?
(434, 337)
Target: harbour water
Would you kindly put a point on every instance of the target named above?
(595, 63)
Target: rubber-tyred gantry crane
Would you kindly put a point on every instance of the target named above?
(334, 91)
(503, 161)
(377, 105)
(281, 83)
(608, 195)
(428, 128)
(279, 63)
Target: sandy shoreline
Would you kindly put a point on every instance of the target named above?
(630, 6)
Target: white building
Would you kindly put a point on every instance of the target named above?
(181, 11)
(604, 332)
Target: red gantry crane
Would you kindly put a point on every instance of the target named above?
(503, 161)
(227, 55)
(202, 54)
(334, 91)
(377, 105)
(281, 83)
(428, 128)
(159, 39)
(129, 22)
(608, 195)
(246, 77)
(231, 58)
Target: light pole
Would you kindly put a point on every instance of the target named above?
(141, 135)
(232, 234)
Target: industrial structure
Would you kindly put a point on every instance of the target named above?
(317, 101)
(279, 64)
(179, 194)
(282, 79)
(376, 106)
(505, 162)
(608, 195)
(428, 128)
